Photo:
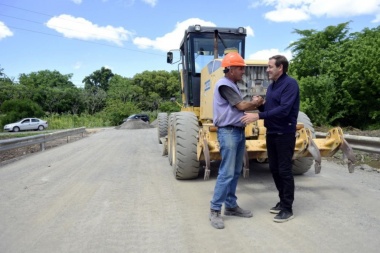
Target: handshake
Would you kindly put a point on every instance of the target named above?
(258, 100)
(252, 117)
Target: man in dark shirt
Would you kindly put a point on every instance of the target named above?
(280, 112)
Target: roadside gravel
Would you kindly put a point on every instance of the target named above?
(113, 191)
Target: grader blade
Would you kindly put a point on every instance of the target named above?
(349, 154)
(305, 146)
(164, 141)
(333, 142)
(314, 151)
(344, 147)
(246, 164)
(206, 153)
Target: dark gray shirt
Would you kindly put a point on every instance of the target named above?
(230, 95)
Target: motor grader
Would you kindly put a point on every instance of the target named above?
(189, 137)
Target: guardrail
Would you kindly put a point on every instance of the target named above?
(362, 143)
(41, 139)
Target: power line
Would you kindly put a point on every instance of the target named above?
(26, 10)
(61, 36)
(20, 18)
(86, 41)
(32, 21)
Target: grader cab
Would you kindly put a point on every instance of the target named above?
(189, 137)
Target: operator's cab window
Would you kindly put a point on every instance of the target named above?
(203, 52)
(202, 58)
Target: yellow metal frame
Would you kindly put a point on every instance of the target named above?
(208, 148)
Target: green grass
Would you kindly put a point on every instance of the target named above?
(7, 135)
(67, 121)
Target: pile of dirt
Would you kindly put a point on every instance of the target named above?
(135, 124)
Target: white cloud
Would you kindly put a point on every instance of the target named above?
(150, 2)
(173, 39)
(76, 1)
(287, 15)
(250, 31)
(4, 31)
(265, 54)
(170, 40)
(78, 65)
(344, 8)
(107, 67)
(254, 5)
(80, 28)
(377, 19)
(298, 10)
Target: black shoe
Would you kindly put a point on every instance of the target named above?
(283, 216)
(276, 209)
(237, 211)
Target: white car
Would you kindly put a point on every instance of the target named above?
(27, 124)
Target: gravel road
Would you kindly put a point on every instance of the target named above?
(113, 191)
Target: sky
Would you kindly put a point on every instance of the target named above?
(129, 37)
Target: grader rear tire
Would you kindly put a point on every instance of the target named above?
(162, 125)
(184, 145)
(303, 164)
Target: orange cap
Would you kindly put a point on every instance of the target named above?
(233, 59)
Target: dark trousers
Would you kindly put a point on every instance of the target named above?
(280, 149)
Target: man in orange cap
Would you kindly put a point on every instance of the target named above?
(228, 108)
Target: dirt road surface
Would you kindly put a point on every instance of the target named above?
(114, 192)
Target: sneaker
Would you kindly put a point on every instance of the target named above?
(276, 209)
(216, 219)
(237, 211)
(283, 216)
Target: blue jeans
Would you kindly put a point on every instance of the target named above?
(232, 146)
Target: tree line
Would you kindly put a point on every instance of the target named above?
(105, 94)
(338, 74)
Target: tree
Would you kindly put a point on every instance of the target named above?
(320, 105)
(9, 91)
(94, 99)
(169, 106)
(47, 89)
(98, 79)
(74, 99)
(46, 78)
(157, 87)
(51, 98)
(361, 77)
(17, 109)
(6, 87)
(120, 88)
(310, 53)
(116, 110)
(338, 75)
